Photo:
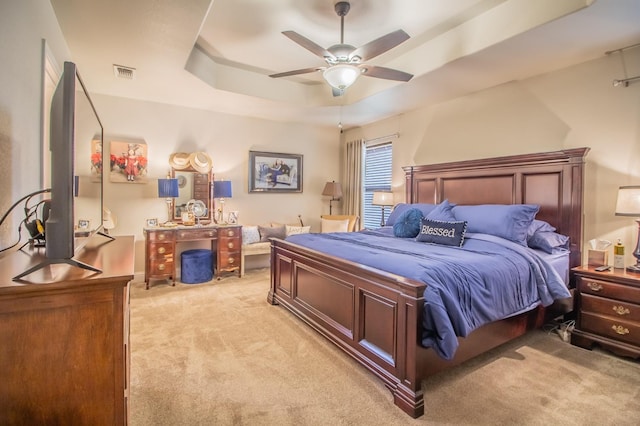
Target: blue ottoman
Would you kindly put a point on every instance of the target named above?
(196, 266)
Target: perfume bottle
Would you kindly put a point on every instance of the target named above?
(618, 255)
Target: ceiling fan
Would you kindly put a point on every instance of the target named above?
(345, 62)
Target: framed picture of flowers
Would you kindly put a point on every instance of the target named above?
(128, 162)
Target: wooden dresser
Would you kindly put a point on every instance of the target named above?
(161, 248)
(608, 310)
(64, 351)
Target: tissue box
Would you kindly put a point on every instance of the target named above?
(598, 257)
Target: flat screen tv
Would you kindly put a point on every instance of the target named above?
(76, 142)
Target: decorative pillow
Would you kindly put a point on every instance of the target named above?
(295, 230)
(250, 234)
(408, 224)
(450, 233)
(549, 242)
(402, 207)
(329, 225)
(539, 226)
(267, 232)
(442, 211)
(508, 221)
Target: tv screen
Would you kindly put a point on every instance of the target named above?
(76, 167)
(76, 139)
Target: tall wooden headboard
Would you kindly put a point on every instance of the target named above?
(552, 180)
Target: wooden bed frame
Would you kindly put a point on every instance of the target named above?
(376, 317)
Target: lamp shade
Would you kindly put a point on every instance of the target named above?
(628, 203)
(108, 219)
(341, 76)
(167, 188)
(333, 190)
(222, 189)
(382, 198)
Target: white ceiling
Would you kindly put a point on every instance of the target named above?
(217, 54)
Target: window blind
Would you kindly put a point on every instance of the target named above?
(377, 177)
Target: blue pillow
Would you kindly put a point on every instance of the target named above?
(508, 221)
(402, 207)
(549, 242)
(450, 233)
(539, 226)
(443, 211)
(408, 224)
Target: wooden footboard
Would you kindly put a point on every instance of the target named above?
(372, 316)
(375, 317)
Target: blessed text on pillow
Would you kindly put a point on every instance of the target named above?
(450, 233)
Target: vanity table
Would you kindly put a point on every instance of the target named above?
(161, 243)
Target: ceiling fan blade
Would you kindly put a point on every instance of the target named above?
(379, 45)
(296, 72)
(309, 45)
(385, 73)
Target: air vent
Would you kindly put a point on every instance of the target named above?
(124, 72)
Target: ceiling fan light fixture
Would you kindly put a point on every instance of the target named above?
(341, 76)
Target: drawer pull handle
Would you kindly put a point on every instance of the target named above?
(161, 236)
(230, 245)
(621, 310)
(594, 286)
(620, 329)
(210, 234)
(161, 250)
(161, 267)
(231, 233)
(231, 260)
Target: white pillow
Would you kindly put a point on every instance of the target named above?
(250, 234)
(329, 225)
(294, 230)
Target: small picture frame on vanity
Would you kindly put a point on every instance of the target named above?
(83, 225)
(233, 217)
(152, 223)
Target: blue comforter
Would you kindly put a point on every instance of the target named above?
(487, 279)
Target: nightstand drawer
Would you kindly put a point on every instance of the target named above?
(616, 329)
(608, 289)
(611, 308)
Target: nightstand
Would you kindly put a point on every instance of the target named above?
(608, 310)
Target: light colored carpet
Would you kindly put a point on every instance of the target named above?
(219, 354)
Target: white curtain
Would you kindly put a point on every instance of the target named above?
(352, 172)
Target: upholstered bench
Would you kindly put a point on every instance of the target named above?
(255, 238)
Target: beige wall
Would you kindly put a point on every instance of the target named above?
(23, 27)
(227, 139)
(573, 107)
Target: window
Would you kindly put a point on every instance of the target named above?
(377, 177)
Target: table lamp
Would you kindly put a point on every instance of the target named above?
(222, 190)
(334, 190)
(628, 204)
(168, 188)
(382, 199)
